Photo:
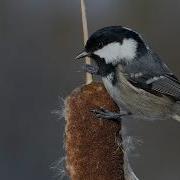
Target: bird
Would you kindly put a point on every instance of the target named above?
(136, 78)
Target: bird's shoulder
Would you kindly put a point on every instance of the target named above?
(151, 74)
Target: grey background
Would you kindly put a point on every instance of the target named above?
(38, 42)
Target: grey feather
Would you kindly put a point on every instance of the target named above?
(156, 76)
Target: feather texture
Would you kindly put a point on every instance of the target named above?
(155, 76)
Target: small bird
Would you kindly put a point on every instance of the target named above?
(136, 78)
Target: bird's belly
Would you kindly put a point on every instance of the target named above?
(138, 101)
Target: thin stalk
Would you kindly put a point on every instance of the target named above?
(89, 78)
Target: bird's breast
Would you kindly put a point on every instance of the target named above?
(136, 100)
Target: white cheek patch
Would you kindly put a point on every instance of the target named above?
(115, 52)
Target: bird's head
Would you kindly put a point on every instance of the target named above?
(113, 45)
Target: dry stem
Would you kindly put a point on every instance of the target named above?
(89, 78)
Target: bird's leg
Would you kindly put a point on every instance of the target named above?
(106, 114)
(91, 69)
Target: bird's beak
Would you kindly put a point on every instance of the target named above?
(82, 55)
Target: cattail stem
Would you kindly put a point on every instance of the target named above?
(89, 78)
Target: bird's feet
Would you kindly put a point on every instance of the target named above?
(106, 114)
(91, 69)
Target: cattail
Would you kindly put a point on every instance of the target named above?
(92, 145)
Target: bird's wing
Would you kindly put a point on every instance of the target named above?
(155, 77)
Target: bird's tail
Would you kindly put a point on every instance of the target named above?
(176, 111)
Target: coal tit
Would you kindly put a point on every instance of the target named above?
(136, 78)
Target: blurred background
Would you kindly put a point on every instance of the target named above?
(38, 42)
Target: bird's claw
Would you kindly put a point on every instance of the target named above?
(106, 114)
(91, 69)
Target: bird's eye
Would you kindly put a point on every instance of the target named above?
(100, 44)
